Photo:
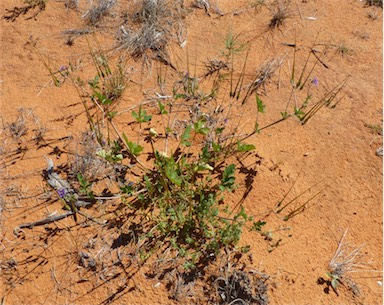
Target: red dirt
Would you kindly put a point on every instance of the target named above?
(334, 152)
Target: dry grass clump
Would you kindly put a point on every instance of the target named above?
(153, 26)
(238, 288)
(96, 13)
(87, 163)
(21, 126)
(146, 38)
(346, 261)
(71, 4)
(263, 74)
(181, 288)
(378, 3)
(280, 14)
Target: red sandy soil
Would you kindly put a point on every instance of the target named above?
(334, 152)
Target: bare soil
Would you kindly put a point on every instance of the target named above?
(333, 155)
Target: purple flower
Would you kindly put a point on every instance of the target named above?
(226, 121)
(61, 193)
(63, 68)
(315, 81)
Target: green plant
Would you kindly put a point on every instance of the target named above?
(181, 196)
(112, 155)
(177, 201)
(85, 188)
(102, 95)
(305, 78)
(141, 116)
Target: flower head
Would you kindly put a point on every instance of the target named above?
(61, 193)
(315, 81)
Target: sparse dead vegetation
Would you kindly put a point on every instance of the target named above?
(239, 287)
(347, 261)
(26, 122)
(378, 3)
(280, 13)
(71, 4)
(30, 5)
(151, 27)
(95, 14)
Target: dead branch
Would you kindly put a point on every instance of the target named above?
(41, 222)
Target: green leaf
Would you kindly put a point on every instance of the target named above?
(179, 96)
(111, 114)
(127, 189)
(242, 214)
(94, 82)
(200, 128)
(245, 249)
(258, 225)
(335, 282)
(228, 181)
(305, 104)
(110, 156)
(135, 115)
(219, 131)
(260, 105)
(172, 175)
(103, 99)
(284, 114)
(162, 108)
(202, 167)
(102, 153)
(141, 116)
(134, 149)
(242, 147)
(146, 118)
(299, 113)
(186, 136)
(216, 147)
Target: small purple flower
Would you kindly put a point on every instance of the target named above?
(315, 81)
(61, 193)
(63, 68)
(226, 121)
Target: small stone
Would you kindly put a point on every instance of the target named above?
(379, 151)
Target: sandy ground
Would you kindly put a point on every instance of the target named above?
(334, 154)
